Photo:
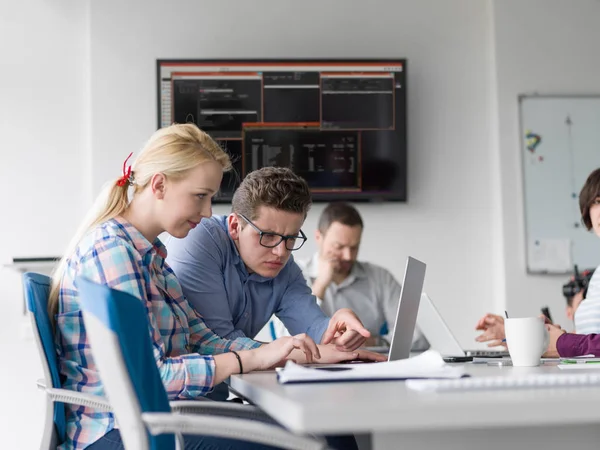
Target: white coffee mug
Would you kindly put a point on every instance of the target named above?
(527, 340)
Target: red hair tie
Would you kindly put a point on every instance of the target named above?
(126, 178)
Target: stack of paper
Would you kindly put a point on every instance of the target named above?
(427, 365)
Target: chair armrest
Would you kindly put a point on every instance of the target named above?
(232, 428)
(221, 409)
(79, 398)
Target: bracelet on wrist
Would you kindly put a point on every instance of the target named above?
(239, 360)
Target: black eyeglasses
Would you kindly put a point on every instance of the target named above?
(272, 240)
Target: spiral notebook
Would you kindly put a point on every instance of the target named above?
(507, 382)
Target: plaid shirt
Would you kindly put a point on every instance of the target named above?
(117, 254)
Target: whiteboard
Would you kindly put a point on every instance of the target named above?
(560, 147)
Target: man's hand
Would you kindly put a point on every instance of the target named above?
(345, 330)
(373, 341)
(492, 326)
(324, 277)
(554, 332)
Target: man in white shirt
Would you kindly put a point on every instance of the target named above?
(339, 280)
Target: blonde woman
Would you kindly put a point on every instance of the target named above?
(167, 189)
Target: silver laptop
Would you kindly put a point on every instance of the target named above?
(441, 338)
(406, 317)
(408, 308)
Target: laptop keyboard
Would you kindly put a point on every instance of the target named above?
(488, 353)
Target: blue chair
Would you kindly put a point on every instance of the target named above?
(117, 326)
(37, 289)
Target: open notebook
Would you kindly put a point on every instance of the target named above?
(427, 365)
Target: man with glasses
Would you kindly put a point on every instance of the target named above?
(237, 270)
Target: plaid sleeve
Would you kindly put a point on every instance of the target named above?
(116, 264)
(204, 341)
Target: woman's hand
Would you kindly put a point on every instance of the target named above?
(331, 355)
(273, 354)
(554, 332)
(492, 326)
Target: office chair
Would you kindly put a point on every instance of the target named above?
(117, 326)
(37, 290)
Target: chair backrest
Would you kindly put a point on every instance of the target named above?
(37, 290)
(118, 329)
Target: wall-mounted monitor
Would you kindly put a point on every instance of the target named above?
(341, 124)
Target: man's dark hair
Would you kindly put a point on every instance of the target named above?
(273, 187)
(341, 212)
(589, 192)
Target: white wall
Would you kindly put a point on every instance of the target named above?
(42, 123)
(77, 83)
(548, 46)
(449, 215)
(43, 109)
(43, 120)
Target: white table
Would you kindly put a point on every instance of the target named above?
(43, 265)
(399, 418)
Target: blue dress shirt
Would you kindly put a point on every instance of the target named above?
(232, 302)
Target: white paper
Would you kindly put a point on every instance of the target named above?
(550, 255)
(429, 364)
(580, 362)
(579, 366)
(524, 381)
